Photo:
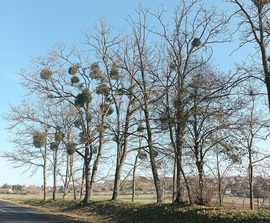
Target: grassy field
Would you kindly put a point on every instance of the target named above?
(139, 212)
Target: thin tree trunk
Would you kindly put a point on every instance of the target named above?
(251, 189)
(121, 155)
(55, 152)
(82, 183)
(174, 180)
(45, 174)
(72, 177)
(134, 172)
(67, 177)
(219, 183)
(134, 179)
(45, 169)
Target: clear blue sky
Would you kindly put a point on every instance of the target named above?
(29, 28)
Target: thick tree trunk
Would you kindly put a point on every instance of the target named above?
(187, 186)
(200, 198)
(121, 151)
(178, 156)
(178, 196)
(116, 181)
(152, 154)
(95, 166)
(117, 177)
(87, 160)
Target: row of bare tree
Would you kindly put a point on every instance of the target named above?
(150, 93)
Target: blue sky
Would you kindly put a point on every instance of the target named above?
(29, 28)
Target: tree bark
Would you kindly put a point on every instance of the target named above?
(87, 160)
(55, 167)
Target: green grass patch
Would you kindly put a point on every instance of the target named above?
(128, 212)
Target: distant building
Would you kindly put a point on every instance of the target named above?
(6, 190)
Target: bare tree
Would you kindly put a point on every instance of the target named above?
(208, 116)
(254, 129)
(183, 43)
(254, 25)
(118, 87)
(58, 78)
(30, 128)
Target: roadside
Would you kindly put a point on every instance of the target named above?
(128, 212)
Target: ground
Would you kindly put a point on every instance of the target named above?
(139, 212)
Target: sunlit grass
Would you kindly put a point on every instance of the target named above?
(143, 210)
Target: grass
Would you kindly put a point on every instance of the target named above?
(127, 212)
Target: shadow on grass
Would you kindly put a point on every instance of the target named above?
(121, 212)
(127, 212)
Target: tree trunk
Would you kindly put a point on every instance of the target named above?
(54, 172)
(67, 177)
(72, 177)
(45, 169)
(82, 183)
(178, 157)
(134, 177)
(87, 160)
(117, 177)
(187, 186)
(178, 196)
(201, 199)
(95, 166)
(219, 183)
(174, 180)
(45, 175)
(152, 153)
(251, 189)
(116, 182)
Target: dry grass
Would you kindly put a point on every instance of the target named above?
(138, 212)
